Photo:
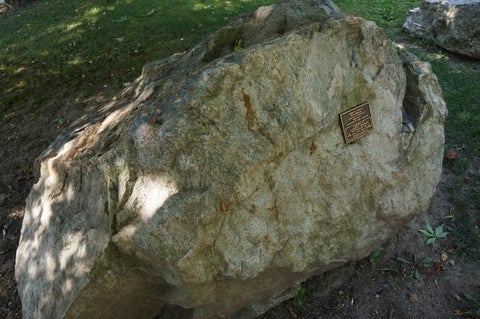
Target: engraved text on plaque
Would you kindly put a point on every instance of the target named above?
(357, 122)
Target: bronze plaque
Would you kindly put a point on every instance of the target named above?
(357, 122)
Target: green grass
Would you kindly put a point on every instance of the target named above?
(461, 86)
(72, 49)
(464, 222)
(388, 14)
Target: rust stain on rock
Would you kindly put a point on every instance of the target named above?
(313, 147)
(247, 101)
(223, 207)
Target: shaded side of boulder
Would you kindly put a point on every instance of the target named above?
(452, 24)
(222, 179)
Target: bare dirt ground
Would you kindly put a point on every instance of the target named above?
(382, 286)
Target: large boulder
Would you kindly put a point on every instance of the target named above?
(452, 24)
(222, 180)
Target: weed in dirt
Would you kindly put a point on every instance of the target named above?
(414, 267)
(432, 234)
(374, 257)
(299, 299)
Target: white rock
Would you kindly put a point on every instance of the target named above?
(452, 24)
(222, 180)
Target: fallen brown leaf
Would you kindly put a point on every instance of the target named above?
(451, 154)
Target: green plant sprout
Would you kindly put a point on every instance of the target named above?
(374, 257)
(431, 234)
(299, 300)
(416, 266)
(238, 44)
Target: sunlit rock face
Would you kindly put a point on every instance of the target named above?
(452, 24)
(222, 180)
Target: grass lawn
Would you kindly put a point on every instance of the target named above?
(56, 49)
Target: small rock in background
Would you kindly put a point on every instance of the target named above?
(452, 24)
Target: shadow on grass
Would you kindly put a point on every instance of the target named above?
(59, 49)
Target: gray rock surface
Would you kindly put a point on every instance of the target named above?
(222, 179)
(452, 24)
